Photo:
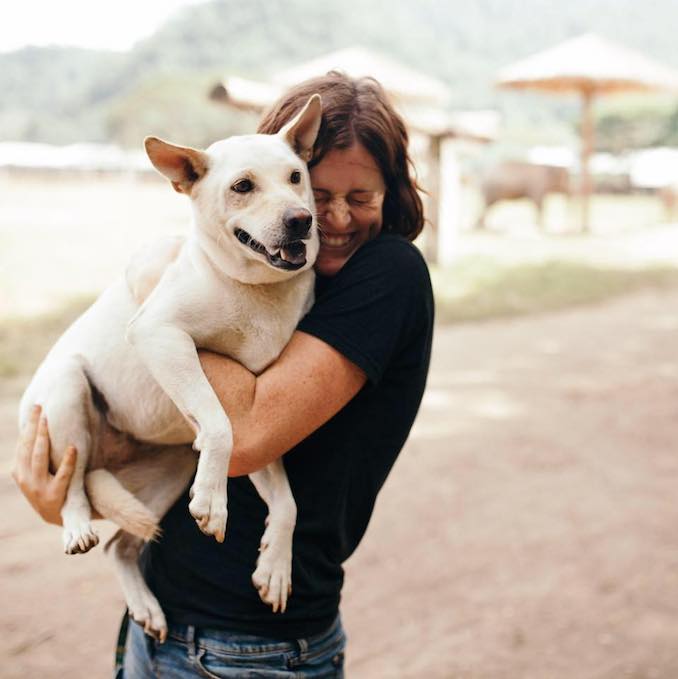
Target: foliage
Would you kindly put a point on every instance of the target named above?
(636, 122)
(173, 107)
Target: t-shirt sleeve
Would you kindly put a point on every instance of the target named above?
(375, 306)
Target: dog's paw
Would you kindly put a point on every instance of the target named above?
(147, 612)
(273, 575)
(208, 508)
(79, 538)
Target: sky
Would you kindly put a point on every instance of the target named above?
(82, 23)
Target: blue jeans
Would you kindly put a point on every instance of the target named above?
(198, 652)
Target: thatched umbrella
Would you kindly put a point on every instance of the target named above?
(588, 65)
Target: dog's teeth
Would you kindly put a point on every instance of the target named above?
(294, 253)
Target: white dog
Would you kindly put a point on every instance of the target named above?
(238, 285)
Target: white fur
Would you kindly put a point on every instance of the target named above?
(217, 293)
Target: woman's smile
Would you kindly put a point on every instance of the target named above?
(335, 241)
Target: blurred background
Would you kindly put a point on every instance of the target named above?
(528, 529)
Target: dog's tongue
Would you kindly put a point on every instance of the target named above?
(294, 253)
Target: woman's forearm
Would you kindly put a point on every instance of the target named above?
(272, 412)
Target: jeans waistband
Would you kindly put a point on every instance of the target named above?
(232, 641)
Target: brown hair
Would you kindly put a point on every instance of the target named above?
(357, 110)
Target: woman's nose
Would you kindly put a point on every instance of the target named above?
(338, 214)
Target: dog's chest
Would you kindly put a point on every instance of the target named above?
(258, 323)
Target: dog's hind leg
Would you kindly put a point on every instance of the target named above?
(273, 575)
(142, 605)
(157, 480)
(114, 502)
(73, 420)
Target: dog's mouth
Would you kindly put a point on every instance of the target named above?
(290, 256)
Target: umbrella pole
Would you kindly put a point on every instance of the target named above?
(586, 150)
(433, 236)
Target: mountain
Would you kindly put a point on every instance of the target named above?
(62, 95)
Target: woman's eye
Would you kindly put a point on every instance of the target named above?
(295, 177)
(243, 186)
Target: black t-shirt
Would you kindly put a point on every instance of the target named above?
(378, 312)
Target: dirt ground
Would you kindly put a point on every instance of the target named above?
(529, 529)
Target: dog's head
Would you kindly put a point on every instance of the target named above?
(252, 197)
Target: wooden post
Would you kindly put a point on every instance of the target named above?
(450, 201)
(587, 135)
(433, 199)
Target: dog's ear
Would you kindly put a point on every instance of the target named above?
(301, 132)
(182, 165)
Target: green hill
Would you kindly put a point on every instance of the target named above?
(61, 95)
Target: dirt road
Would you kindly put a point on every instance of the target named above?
(529, 530)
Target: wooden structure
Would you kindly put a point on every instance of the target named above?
(421, 99)
(588, 65)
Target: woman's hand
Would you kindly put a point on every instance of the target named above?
(46, 492)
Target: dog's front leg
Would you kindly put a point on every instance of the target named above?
(273, 575)
(170, 354)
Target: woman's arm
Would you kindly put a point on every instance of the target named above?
(308, 384)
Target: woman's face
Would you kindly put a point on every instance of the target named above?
(349, 194)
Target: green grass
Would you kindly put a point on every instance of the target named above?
(475, 289)
(25, 341)
(478, 288)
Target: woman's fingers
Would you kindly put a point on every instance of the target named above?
(40, 457)
(63, 474)
(45, 493)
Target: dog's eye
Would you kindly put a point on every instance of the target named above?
(295, 177)
(242, 186)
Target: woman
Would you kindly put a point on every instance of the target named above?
(340, 402)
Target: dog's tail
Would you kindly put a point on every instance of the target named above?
(114, 502)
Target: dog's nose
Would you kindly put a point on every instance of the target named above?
(297, 221)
